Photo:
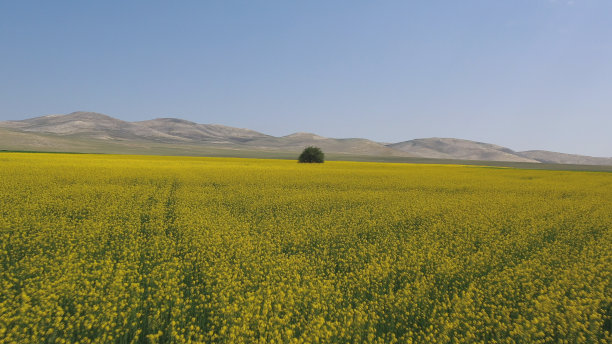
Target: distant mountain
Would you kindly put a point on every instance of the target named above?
(186, 130)
(95, 132)
(90, 125)
(563, 158)
(447, 148)
(173, 131)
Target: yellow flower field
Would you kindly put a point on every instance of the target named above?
(141, 249)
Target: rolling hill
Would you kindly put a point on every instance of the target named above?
(91, 132)
(446, 148)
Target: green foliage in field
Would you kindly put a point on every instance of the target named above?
(312, 155)
(128, 249)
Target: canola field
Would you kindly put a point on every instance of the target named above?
(135, 249)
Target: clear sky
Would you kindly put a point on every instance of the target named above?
(526, 74)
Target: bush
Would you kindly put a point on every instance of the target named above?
(312, 154)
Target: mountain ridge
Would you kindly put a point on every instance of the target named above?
(181, 135)
(451, 148)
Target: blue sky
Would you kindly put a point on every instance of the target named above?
(526, 74)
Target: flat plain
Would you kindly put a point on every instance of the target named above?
(138, 249)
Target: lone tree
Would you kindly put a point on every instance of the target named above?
(312, 154)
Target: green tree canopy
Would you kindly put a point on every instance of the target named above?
(312, 154)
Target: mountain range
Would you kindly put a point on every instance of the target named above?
(91, 132)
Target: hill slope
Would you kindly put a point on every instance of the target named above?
(195, 132)
(563, 158)
(89, 125)
(448, 148)
(95, 132)
(172, 131)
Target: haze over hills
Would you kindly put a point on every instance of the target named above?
(94, 132)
